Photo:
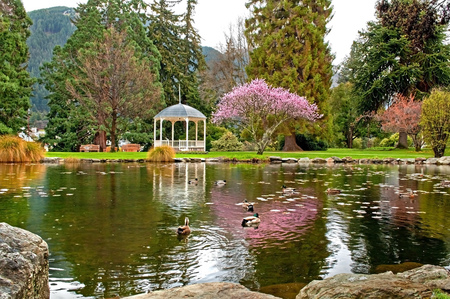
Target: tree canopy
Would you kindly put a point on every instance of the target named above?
(261, 109)
(288, 49)
(15, 81)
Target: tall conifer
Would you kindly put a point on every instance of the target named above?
(15, 81)
(286, 39)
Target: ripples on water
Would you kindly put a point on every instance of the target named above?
(111, 227)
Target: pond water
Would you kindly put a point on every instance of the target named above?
(111, 227)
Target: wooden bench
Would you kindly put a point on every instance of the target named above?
(131, 147)
(90, 148)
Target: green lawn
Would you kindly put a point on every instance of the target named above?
(338, 152)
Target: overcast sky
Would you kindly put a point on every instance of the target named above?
(213, 18)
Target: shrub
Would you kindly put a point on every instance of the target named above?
(227, 143)
(15, 149)
(163, 153)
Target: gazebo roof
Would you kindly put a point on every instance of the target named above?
(180, 111)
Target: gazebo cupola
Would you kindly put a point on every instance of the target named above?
(180, 112)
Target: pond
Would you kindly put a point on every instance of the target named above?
(111, 228)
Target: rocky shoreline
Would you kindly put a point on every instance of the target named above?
(276, 160)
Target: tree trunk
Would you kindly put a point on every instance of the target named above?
(100, 139)
(402, 140)
(439, 151)
(290, 145)
(113, 135)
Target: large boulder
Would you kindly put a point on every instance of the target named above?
(211, 290)
(23, 264)
(416, 283)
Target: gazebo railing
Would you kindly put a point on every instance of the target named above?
(182, 145)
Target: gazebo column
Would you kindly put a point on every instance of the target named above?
(204, 135)
(187, 133)
(160, 130)
(196, 132)
(173, 123)
(154, 133)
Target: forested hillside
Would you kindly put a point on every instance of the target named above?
(51, 27)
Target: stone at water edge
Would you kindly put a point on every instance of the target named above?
(23, 264)
(210, 290)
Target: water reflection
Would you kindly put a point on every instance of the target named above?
(111, 227)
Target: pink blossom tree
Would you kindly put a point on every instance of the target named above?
(261, 109)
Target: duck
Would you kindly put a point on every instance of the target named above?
(251, 220)
(184, 230)
(247, 205)
(333, 191)
(220, 182)
(445, 183)
(193, 182)
(409, 194)
(289, 190)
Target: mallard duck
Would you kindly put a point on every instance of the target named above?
(251, 220)
(220, 182)
(193, 182)
(333, 191)
(289, 190)
(184, 230)
(445, 183)
(409, 194)
(247, 205)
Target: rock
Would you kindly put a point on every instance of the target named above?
(304, 160)
(212, 160)
(23, 264)
(431, 161)
(319, 160)
(338, 160)
(195, 160)
(289, 160)
(51, 160)
(445, 160)
(211, 290)
(416, 283)
(275, 159)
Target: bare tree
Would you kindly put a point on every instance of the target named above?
(114, 83)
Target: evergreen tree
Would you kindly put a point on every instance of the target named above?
(403, 52)
(289, 51)
(15, 81)
(69, 124)
(166, 33)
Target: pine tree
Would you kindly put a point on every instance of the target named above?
(70, 124)
(166, 34)
(288, 50)
(15, 81)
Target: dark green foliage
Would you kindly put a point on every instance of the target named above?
(402, 52)
(307, 142)
(289, 50)
(15, 81)
(51, 27)
(71, 122)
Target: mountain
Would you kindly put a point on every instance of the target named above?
(51, 27)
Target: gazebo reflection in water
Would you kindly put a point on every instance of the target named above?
(180, 112)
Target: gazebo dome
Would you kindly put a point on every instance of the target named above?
(180, 111)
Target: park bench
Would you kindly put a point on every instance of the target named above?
(131, 147)
(89, 148)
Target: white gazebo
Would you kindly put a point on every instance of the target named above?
(180, 112)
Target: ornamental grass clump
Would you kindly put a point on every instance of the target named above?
(163, 153)
(15, 149)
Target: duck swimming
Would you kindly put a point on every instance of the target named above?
(247, 205)
(184, 230)
(288, 190)
(251, 220)
(220, 182)
(333, 191)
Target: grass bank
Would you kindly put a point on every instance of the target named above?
(373, 153)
